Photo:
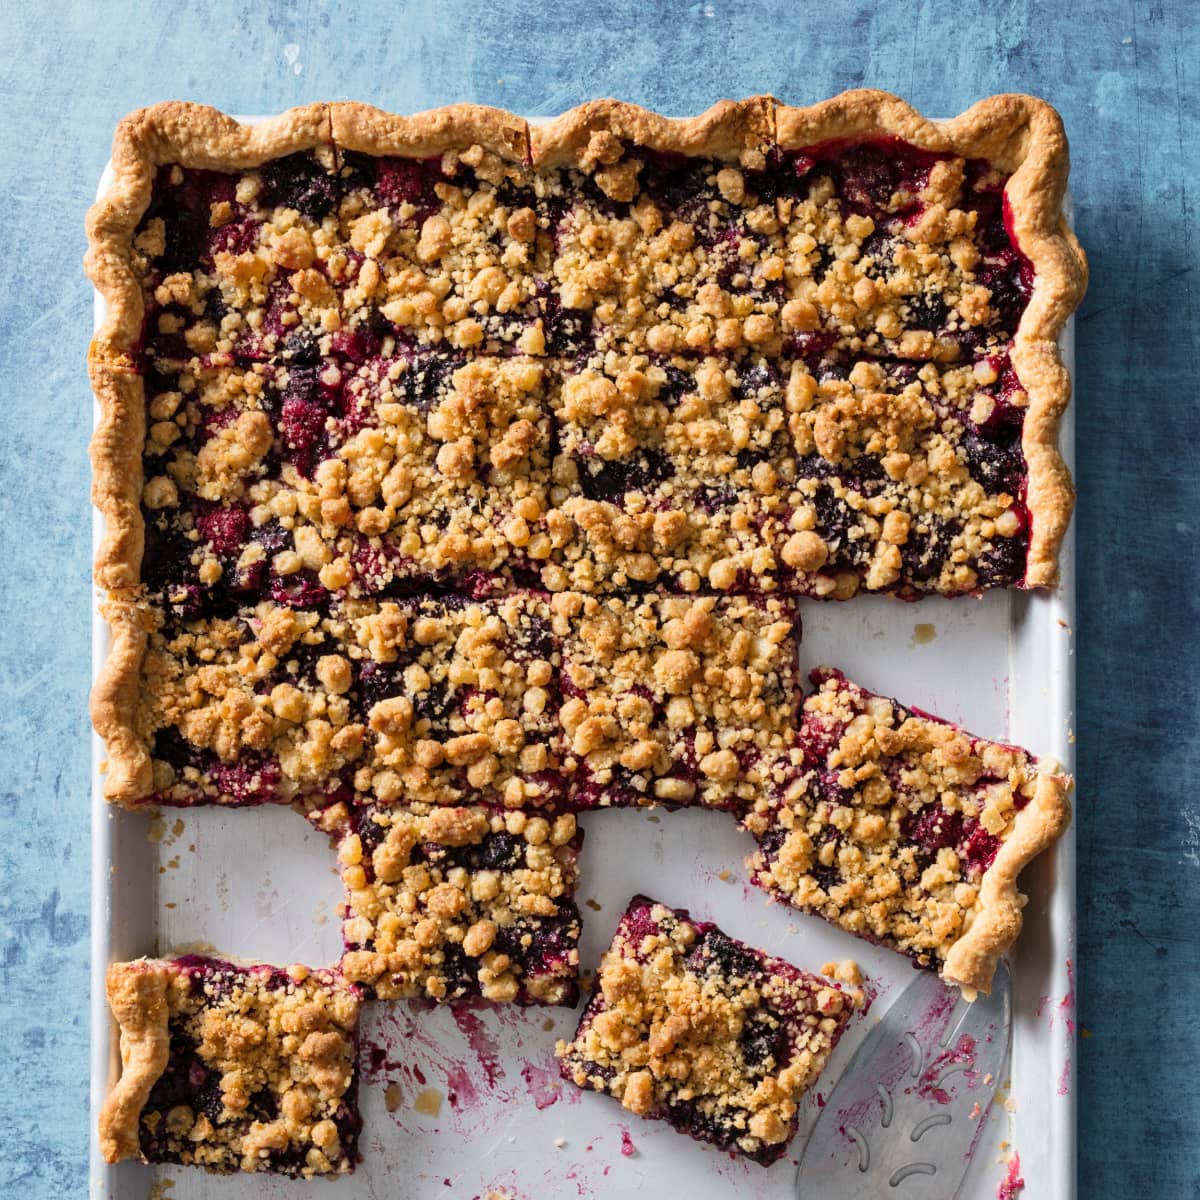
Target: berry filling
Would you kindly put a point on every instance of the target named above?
(691, 1027)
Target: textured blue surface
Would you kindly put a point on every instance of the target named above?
(1125, 78)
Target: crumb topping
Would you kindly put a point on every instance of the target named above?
(261, 1071)
(871, 247)
(890, 822)
(676, 700)
(449, 903)
(368, 375)
(718, 1039)
(434, 701)
(524, 701)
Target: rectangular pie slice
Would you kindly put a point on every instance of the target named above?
(906, 830)
(233, 1068)
(669, 473)
(451, 904)
(689, 1026)
(440, 700)
(676, 700)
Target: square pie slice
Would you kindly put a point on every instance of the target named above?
(906, 830)
(233, 1068)
(676, 700)
(454, 904)
(689, 1026)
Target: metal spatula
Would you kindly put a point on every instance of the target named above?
(904, 1118)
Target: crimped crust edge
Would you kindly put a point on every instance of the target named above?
(971, 960)
(137, 995)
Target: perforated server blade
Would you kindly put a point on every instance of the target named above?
(906, 1114)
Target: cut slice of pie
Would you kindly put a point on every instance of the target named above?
(233, 1068)
(676, 700)
(454, 904)
(441, 700)
(905, 830)
(689, 1026)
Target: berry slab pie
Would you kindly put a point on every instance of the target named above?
(233, 1068)
(349, 356)
(689, 1026)
(454, 904)
(907, 831)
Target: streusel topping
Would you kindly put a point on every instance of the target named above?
(449, 903)
(435, 700)
(365, 376)
(261, 1070)
(718, 1039)
(890, 821)
(675, 700)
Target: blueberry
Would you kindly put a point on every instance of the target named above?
(715, 498)
(427, 376)
(1003, 561)
(302, 348)
(498, 852)
(734, 960)
(927, 311)
(379, 681)
(1009, 291)
(835, 522)
(927, 548)
(763, 1043)
(300, 182)
(604, 480)
(826, 878)
(568, 331)
(875, 255)
(994, 466)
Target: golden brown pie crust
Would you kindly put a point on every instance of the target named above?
(971, 961)
(1019, 133)
(137, 995)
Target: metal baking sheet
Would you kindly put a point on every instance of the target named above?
(469, 1103)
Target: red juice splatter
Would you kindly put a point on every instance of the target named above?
(1012, 1183)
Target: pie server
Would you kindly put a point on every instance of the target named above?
(907, 1112)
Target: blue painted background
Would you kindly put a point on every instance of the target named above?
(1125, 78)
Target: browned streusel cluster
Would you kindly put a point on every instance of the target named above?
(717, 1039)
(888, 828)
(257, 1065)
(449, 903)
(676, 700)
